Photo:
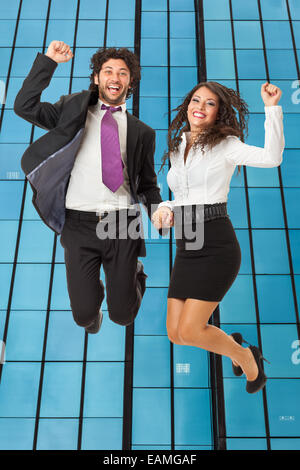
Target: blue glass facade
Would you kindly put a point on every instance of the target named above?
(60, 390)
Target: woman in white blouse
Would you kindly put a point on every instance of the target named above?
(204, 148)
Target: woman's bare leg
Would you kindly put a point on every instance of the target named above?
(193, 330)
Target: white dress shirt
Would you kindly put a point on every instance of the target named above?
(86, 191)
(205, 178)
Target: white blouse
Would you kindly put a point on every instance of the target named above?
(205, 178)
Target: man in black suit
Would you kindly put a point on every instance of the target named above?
(92, 140)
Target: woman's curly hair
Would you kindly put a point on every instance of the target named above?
(226, 122)
(103, 55)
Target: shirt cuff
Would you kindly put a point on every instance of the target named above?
(276, 109)
(166, 204)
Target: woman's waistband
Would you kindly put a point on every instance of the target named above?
(200, 212)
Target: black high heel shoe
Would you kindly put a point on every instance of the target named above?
(237, 370)
(254, 386)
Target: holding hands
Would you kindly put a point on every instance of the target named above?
(163, 218)
(270, 94)
(59, 51)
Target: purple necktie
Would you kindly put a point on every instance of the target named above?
(112, 165)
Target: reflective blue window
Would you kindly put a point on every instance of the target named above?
(62, 29)
(250, 410)
(295, 9)
(275, 298)
(270, 252)
(30, 33)
(90, 33)
(237, 208)
(191, 367)
(61, 390)
(7, 30)
(238, 304)
(280, 355)
(29, 346)
(218, 35)
(281, 64)
(16, 433)
(104, 390)
(182, 25)
(102, 434)
(155, 82)
(183, 80)
(274, 10)
(246, 444)
(245, 10)
(63, 11)
(247, 35)
(290, 168)
(145, 418)
(154, 25)
(266, 208)
(295, 249)
(110, 344)
(262, 176)
(8, 236)
(251, 64)
(54, 434)
(30, 249)
(278, 35)
(243, 239)
(88, 10)
(182, 52)
(62, 347)
(153, 52)
(31, 286)
(152, 315)
(283, 406)
(220, 65)
(19, 389)
(192, 416)
(157, 350)
(291, 196)
(120, 33)
(218, 10)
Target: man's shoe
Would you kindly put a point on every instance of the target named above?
(96, 325)
(141, 276)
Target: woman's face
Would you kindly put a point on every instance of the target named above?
(203, 109)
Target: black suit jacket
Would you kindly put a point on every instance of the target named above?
(48, 162)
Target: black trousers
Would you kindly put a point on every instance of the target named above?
(84, 254)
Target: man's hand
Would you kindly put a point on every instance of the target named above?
(270, 94)
(163, 218)
(59, 51)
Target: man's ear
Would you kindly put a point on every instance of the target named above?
(96, 80)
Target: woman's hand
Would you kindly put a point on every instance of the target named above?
(59, 51)
(270, 94)
(163, 218)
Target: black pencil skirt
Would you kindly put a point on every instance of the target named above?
(206, 273)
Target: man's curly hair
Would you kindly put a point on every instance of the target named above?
(103, 55)
(226, 122)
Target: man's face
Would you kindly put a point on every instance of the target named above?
(113, 81)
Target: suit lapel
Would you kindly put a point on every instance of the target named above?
(132, 137)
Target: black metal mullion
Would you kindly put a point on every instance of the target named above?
(215, 360)
(266, 416)
(129, 338)
(4, 338)
(172, 407)
(38, 406)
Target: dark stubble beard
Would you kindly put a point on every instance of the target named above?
(120, 99)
